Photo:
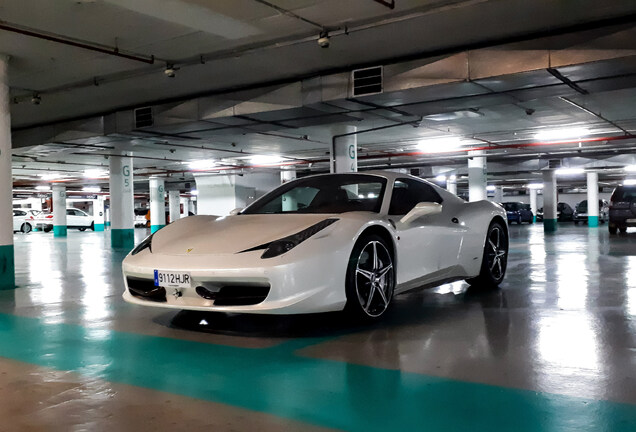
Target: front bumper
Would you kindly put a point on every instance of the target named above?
(306, 285)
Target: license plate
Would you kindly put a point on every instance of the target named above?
(170, 279)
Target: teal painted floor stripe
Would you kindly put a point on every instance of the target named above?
(155, 228)
(99, 227)
(60, 231)
(7, 267)
(327, 393)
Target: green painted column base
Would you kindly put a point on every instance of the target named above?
(592, 221)
(99, 227)
(60, 231)
(107, 224)
(549, 225)
(534, 219)
(155, 228)
(7, 267)
(122, 238)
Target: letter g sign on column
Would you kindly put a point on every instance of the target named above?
(126, 172)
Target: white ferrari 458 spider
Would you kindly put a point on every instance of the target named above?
(321, 243)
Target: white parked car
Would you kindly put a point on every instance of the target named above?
(76, 218)
(21, 222)
(321, 243)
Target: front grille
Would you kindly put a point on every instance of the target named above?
(145, 289)
(235, 295)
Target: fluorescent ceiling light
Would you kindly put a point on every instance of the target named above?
(491, 188)
(440, 178)
(570, 171)
(50, 176)
(560, 134)
(630, 168)
(265, 159)
(439, 145)
(534, 186)
(43, 188)
(93, 189)
(629, 182)
(202, 164)
(94, 173)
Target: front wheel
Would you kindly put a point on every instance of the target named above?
(370, 278)
(495, 257)
(82, 229)
(612, 229)
(26, 228)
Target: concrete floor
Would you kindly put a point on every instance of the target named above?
(553, 350)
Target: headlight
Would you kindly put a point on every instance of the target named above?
(145, 244)
(279, 247)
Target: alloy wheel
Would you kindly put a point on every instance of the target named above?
(374, 278)
(496, 253)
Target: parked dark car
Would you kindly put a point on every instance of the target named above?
(564, 212)
(622, 209)
(518, 212)
(580, 212)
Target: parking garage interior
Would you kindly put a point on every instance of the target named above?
(118, 118)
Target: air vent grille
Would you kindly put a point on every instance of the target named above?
(554, 163)
(367, 81)
(143, 117)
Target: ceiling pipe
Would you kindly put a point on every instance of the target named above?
(291, 14)
(598, 116)
(114, 51)
(389, 4)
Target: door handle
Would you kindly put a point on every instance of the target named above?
(455, 220)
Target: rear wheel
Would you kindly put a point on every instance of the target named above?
(370, 278)
(92, 226)
(82, 228)
(47, 229)
(495, 257)
(612, 228)
(26, 228)
(623, 229)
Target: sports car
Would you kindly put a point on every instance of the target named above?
(321, 243)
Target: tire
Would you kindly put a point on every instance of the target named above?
(92, 226)
(623, 229)
(531, 221)
(82, 228)
(26, 228)
(370, 279)
(495, 258)
(612, 229)
(47, 229)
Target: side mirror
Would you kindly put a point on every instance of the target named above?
(236, 211)
(422, 209)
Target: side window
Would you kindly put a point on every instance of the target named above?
(70, 212)
(407, 193)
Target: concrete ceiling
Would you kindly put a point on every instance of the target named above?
(251, 80)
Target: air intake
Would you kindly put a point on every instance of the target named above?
(554, 163)
(367, 81)
(143, 117)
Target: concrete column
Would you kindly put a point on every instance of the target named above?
(7, 260)
(476, 176)
(533, 204)
(174, 205)
(345, 151)
(219, 195)
(287, 175)
(498, 194)
(122, 202)
(592, 199)
(451, 184)
(98, 213)
(59, 211)
(157, 204)
(549, 201)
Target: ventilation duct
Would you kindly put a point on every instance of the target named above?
(143, 117)
(367, 81)
(554, 163)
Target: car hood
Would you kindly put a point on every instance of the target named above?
(200, 235)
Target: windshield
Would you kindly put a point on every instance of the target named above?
(510, 206)
(623, 193)
(337, 193)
